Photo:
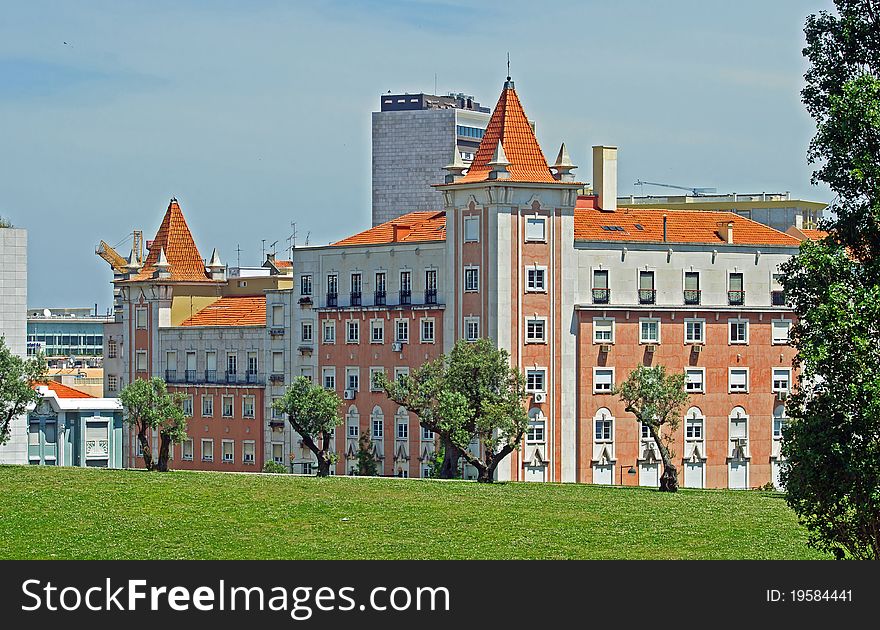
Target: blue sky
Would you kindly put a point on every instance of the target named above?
(257, 114)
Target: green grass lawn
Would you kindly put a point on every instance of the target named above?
(76, 513)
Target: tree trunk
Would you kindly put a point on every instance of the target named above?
(164, 452)
(323, 467)
(147, 449)
(451, 455)
(669, 478)
(485, 474)
(320, 453)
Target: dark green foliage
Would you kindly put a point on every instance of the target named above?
(17, 378)
(150, 407)
(274, 467)
(313, 412)
(367, 464)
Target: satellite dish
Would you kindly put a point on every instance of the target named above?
(47, 312)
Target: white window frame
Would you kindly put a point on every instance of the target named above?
(280, 458)
(374, 371)
(141, 365)
(773, 379)
(349, 338)
(223, 413)
(424, 338)
(307, 331)
(648, 320)
(780, 342)
(427, 434)
(402, 435)
(278, 362)
(183, 449)
(596, 388)
(468, 322)
(603, 440)
(355, 373)
(702, 327)
(473, 219)
(737, 321)
(535, 287)
(474, 271)
(377, 422)
(188, 406)
(244, 453)
(244, 410)
(543, 376)
(400, 372)
(537, 425)
(208, 413)
(204, 457)
(702, 372)
(140, 317)
(305, 284)
(329, 327)
(535, 219)
(278, 315)
(231, 459)
(397, 330)
(596, 322)
(730, 372)
(543, 326)
(377, 325)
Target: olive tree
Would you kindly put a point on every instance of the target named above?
(313, 412)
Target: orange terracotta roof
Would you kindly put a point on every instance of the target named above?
(682, 226)
(232, 310)
(284, 263)
(510, 125)
(180, 249)
(806, 235)
(409, 228)
(63, 391)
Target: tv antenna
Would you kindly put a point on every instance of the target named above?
(238, 251)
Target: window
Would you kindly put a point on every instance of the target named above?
(536, 330)
(277, 453)
(141, 317)
(781, 379)
(329, 332)
(401, 329)
(779, 422)
(277, 315)
(248, 406)
(535, 228)
(378, 427)
(228, 451)
(427, 331)
(536, 431)
(535, 380)
(694, 331)
(406, 281)
(377, 331)
(332, 286)
(187, 450)
(141, 361)
(400, 373)
(471, 228)
(735, 293)
(603, 380)
(374, 374)
(693, 428)
(207, 406)
(431, 286)
(305, 284)
(207, 450)
(738, 380)
(645, 431)
(781, 329)
(112, 383)
(306, 372)
(355, 283)
(111, 350)
(276, 415)
(739, 330)
(471, 328)
(603, 431)
(647, 295)
(536, 279)
(352, 378)
(649, 331)
(248, 452)
(603, 331)
(353, 332)
(228, 406)
(472, 279)
(306, 332)
(402, 430)
(692, 287)
(329, 375)
(231, 364)
(601, 292)
(188, 406)
(353, 428)
(427, 434)
(278, 362)
(694, 380)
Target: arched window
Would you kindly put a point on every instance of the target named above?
(603, 426)
(694, 425)
(780, 421)
(537, 427)
(739, 424)
(353, 423)
(401, 420)
(377, 428)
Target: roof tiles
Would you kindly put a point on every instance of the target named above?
(63, 391)
(409, 228)
(232, 310)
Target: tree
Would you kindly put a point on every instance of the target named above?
(17, 378)
(832, 446)
(471, 394)
(150, 407)
(313, 412)
(5, 223)
(367, 464)
(655, 398)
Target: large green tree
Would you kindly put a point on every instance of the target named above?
(471, 394)
(17, 378)
(149, 407)
(656, 399)
(313, 412)
(832, 446)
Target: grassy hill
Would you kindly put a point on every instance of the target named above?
(76, 513)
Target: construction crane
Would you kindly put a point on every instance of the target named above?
(116, 260)
(698, 192)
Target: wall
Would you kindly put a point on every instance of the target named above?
(13, 324)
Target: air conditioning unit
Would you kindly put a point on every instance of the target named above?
(348, 394)
(650, 348)
(605, 348)
(540, 397)
(397, 346)
(697, 347)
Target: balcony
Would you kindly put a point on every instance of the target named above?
(210, 376)
(647, 296)
(379, 298)
(405, 296)
(601, 296)
(777, 298)
(736, 298)
(430, 296)
(691, 296)
(306, 299)
(253, 378)
(276, 332)
(231, 377)
(276, 379)
(332, 299)
(355, 298)
(170, 376)
(190, 376)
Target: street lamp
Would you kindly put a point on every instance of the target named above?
(631, 471)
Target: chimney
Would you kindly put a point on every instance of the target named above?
(728, 234)
(216, 269)
(399, 232)
(605, 177)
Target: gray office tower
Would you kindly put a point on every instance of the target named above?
(414, 136)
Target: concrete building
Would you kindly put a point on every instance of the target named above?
(13, 324)
(414, 137)
(67, 336)
(777, 210)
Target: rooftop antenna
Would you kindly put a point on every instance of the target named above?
(263, 250)
(508, 65)
(238, 251)
(435, 84)
(273, 246)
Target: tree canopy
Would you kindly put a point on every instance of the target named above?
(150, 407)
(17, 379)
(313, 412)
